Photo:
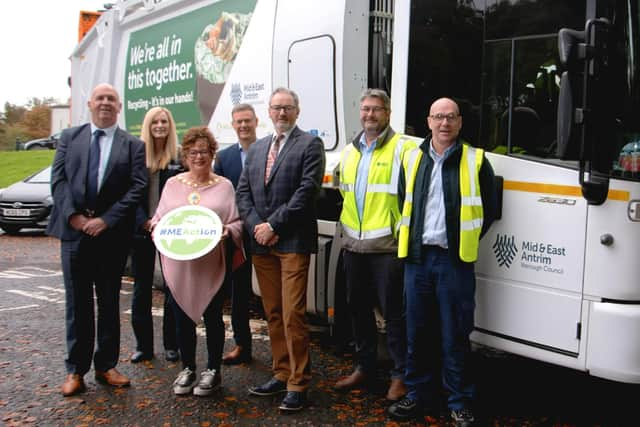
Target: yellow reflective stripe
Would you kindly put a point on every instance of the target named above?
(561, 190)
(471, 168)
(397, 162)
(379, 188)
(343, 161)
(472, 200)
(411, 170)
(471, 224)
(363, 235)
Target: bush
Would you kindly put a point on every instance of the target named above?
(9, 135)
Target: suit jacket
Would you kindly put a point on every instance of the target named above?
(288, 200)
(229, 164)
(124, 182)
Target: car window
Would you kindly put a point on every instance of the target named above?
(42, 177)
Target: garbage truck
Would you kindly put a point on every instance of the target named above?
(549, 88)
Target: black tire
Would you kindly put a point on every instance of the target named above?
(10, 229)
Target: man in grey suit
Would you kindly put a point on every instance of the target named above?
(276, 198)
(97, 179)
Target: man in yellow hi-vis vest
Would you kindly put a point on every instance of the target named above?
(448, 198)
(369, 169)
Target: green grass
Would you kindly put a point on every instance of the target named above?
(17, 165)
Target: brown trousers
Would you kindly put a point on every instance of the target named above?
(282, 278)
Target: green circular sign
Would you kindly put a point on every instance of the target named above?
(187, 232)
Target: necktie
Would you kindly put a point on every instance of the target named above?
(92, 169)
(271, 158)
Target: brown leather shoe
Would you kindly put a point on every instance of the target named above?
(73, 384)
(112, 377)
(356, 379)
(397, 390)
(236, 356)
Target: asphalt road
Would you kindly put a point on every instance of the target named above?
(511, 391)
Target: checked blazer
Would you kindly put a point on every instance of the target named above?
(288, 200)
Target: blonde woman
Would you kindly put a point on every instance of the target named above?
(162, 160)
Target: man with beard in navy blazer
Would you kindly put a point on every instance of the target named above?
(276, 198)
(229, 163)
(97, 179)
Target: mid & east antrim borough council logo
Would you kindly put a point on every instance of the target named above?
(505, 250)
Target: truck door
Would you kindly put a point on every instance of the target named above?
(530, 274)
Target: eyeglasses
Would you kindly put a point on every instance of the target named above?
(192, 154)
(441, 117)
(375, 109)
(286, 108)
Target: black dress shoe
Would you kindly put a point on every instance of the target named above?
(406, 409)
(293, 401)
(271, 387)
(171, 355)
(140, 356)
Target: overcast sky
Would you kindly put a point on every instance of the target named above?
(38, 37)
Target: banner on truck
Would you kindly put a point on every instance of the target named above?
(182, 63)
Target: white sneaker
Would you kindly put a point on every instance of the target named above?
(210, 381)
(185, 382)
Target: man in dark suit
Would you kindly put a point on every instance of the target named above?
(229, 163)
(276, 198)
(97, 179)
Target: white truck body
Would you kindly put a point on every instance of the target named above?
(557, 274)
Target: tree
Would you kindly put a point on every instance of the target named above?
(13, 114)
(37, 121)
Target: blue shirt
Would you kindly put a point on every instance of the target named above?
(243, 155)
(362, 174)
(435, 226)
(106, 141)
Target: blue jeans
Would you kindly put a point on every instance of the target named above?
(440, 301)
(375, 279)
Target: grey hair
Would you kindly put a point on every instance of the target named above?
(288, 91)
(379, 94)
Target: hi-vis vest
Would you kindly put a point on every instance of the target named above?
(381, 213)
(471, 212)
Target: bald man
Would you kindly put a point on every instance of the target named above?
(448, 199)
(97, 179)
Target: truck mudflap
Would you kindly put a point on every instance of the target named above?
(613, 346)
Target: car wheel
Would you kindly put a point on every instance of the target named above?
(10, 229)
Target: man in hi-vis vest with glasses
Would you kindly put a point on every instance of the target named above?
(369, 170)
(448, 200)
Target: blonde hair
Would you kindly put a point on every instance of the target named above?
(170, 150)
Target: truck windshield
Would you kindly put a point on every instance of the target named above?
(499, 60)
